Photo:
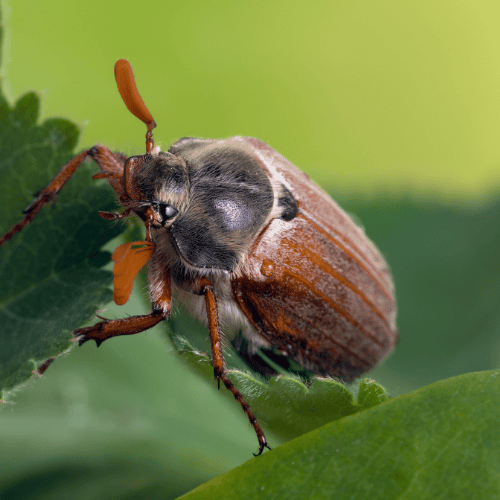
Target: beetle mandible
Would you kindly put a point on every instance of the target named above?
(239, 236)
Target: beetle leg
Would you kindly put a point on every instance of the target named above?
(113, 215)
(111, 165)
(41, 369)
(112, 328)
(107, 161)
(128, 326)
(218, 360)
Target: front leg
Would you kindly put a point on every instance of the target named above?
(129, 326)
(112, 328)
(207, 290)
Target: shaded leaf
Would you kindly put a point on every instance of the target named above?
(439, 442)
(285, 404)
(116, 479)
(371, 394)
(50, 272)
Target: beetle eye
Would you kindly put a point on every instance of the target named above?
(166, 211)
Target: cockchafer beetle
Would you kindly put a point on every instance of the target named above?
(239, 236)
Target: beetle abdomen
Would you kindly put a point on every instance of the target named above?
(315, 287)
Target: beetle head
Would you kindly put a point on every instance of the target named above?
(159, 181)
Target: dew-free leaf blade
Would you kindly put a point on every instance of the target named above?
(439, 442)
(50, 273)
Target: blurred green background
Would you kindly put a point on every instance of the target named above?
(392, 107)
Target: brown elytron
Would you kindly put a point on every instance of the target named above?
(241, 237)
(326, 277)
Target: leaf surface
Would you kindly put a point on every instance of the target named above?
(439, 442)
(285, 404)
(51, 272)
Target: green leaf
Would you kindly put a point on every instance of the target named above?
(50, 272)
(439, 442)
(371, 394)
(285, 404)
(114, 479)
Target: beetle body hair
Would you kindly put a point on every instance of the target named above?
(184, 274)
